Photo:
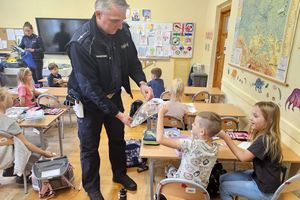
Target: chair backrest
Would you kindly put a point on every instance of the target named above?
(290, 185)
(171, 121)
(181, 188)
(49, 101)
(230, 123)
(201, 97)
(166, 95)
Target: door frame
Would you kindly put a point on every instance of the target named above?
(223, 8)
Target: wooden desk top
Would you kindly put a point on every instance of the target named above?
(221, 109)
(163, 152)
(43, 123)
(210, 90)
(57, 91)
(45, 79)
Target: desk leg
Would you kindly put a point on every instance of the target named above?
(60, 129)
(42, 138)
(151, 172)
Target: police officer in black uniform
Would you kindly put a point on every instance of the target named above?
(103, 57)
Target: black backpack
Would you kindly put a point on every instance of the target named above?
(214, 179)
(135, 106)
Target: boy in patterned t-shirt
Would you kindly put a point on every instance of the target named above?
(199, 152)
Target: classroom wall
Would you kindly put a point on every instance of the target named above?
(162, 11)
(240, 89)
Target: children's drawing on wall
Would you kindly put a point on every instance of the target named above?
(293, 100)
(259, 85)
(234, 73)
(135, 15)
(146, 14)
(128, 14)
(163, 40)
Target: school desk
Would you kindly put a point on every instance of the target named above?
(222, 109)
(290, 158)
(45, 79)
(56, 91)
(44, 124)
(214, 91)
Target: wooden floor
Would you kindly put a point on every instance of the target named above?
(9, 190)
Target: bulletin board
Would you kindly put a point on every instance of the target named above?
(9, 37)
(158, 40)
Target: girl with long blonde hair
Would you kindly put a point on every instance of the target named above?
(264, 152)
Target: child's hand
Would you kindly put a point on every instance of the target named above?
(60, 81)
(222, 134)
(49, 154)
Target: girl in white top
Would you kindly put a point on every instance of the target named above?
(10, 126)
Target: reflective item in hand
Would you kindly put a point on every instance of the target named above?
(147, 110)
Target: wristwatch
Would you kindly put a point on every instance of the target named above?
(142, 83)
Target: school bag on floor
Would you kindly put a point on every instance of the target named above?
(52, 174)
(214, 179)
(133, 158)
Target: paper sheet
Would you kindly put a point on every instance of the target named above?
(244, 145)
(50, 173)
(10, 34)
(41, 90)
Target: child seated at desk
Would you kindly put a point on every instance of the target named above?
(199, 153)
(157, 84)
(175, 107)
(265, 153)
(10, 127)
(54, 78)
(26, 89)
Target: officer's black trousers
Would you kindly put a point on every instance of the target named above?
(89, 129)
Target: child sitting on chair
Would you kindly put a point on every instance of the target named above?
(54, 78)
(199, 152)
(10, 127)
(157, 84)
(176, 108)
(26, 89)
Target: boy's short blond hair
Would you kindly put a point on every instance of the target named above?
(157, 72)
(52, 66)
(211, 122)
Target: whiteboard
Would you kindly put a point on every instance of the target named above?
(159, 40)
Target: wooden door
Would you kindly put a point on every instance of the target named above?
(221, 46)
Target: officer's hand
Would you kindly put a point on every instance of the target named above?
(146, 92)
(126, 119)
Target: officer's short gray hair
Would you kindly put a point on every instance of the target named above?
(104, 5)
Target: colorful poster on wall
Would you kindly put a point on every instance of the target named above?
(264, 35)
(146, 14)
(182, 40)
(163, 40)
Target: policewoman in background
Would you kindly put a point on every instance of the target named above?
(34, 44)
